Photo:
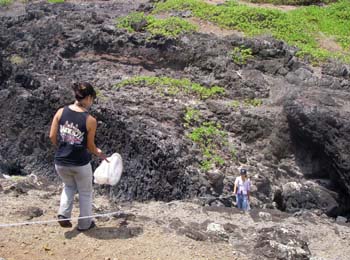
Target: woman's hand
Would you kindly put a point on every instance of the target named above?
(101, 155)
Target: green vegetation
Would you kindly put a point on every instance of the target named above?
(300, 27)
(292, 2)
(171, 86)
(191, 115)
(5, 2)
(254, 102)
(241, 55)
(210, 138)
(55, 1)
(168, 27)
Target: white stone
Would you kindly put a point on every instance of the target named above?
(214, 227)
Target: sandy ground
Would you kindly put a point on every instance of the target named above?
(145, 231)
(112, 239)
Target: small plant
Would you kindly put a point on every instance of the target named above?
(191, 116)
(170, 27)
(170, 86)
(241, 55)
(16, 60)
(255, 102)
(211, 140)
(235, 103)
(55, 1)
(132, 20)
(5, 2)
(298, 27)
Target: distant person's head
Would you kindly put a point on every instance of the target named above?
(84, 93)
(243, 173)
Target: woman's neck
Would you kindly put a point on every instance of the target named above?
(80, 105)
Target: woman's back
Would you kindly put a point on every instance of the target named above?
(72, 138)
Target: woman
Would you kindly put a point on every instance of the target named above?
(73, 132)
(242, 190)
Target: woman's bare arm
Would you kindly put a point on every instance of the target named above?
(91, 125)
(54, 126)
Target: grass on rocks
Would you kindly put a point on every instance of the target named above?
(171, 87)
(211, 139)
(300, 27)
(168, 27)
(292, 2)
(55, 1)
(5, 2)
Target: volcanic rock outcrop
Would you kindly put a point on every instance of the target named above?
(298, 133)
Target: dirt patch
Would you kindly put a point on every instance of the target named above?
(328, 43)
(261, 5)
(284, 8)
(208, 27)
(215, 2)
(132, 238)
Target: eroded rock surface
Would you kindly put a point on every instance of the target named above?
(298, 134)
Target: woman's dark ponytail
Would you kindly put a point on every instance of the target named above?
(82, 90)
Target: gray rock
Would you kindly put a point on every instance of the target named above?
(281, 243)
(341, 219)
(265, 216)
(216, 228)
(310, 195)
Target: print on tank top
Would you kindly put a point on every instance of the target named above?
(71, 134)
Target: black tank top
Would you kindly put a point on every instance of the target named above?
(72, 139)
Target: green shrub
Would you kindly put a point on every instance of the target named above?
(241, 55)
(191, 116)
(55, 1)
(168, 27)
(171, 86)
(128, 22)
(5, 2)
(292, 2)
(298, 27)
(255, 102)
(210, 139)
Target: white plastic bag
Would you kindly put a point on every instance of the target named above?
(109, 172)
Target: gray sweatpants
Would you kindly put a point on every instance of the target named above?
(76, 178)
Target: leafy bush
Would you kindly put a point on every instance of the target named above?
(211, 140)
(292, 2)
(241, 55)
(5, 2)
(191, 115)
(55, 1)
(298, 27)
(255, 102)
(133, 20)
(171, 86)
(168, 27)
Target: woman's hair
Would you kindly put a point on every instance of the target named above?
(82, 90)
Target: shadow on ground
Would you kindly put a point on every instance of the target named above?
(106, 233)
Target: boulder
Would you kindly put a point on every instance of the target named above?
(309, 195)
(281, 243)
(319, 124)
